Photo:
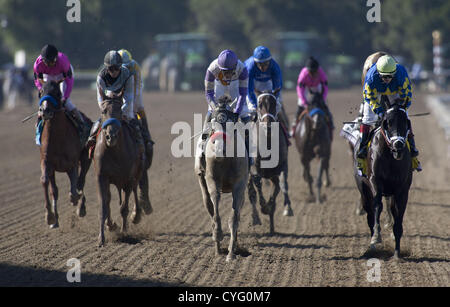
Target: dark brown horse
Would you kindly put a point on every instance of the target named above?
(61, 151)
(313, 139)
(117, 161)
(389, 173)
(277, 174)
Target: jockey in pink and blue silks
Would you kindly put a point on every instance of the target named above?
(312, 79)
(52, 65)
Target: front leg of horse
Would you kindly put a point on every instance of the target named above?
(262, 201)
(378, 207)
(49, 216)
(272, 202)
(319, 181)
(85, 164)
(233, 223)
(285, 188)
(124, 210)
(74, 194)
(54, 194)
(252, 198)
(104, 197)
(401, 201)
(217, 225)
(136, 215)
(308, 178)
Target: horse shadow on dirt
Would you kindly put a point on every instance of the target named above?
(23, 276)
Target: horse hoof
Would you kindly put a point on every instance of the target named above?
(112, 227)
(288, 212)
(81, 212)
(231, 257)
(136, 218)
(50, 218)
(376, 240)
(146, 206)
(256, 220)
(74, 199)
(54, 226)
(311, 198)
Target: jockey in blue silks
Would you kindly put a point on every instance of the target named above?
(264, 74)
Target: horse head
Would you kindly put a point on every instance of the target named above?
(316, 111)
(267, 106)
(395, 128)
(111, 115)
(220, 117)
(50, 103)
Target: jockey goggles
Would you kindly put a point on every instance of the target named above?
(113, 68)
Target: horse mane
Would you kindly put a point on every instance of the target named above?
(112, 107)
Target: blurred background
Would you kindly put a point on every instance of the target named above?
(175, 40)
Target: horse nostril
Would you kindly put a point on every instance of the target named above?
(398, 145)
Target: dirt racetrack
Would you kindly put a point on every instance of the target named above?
(322, 245)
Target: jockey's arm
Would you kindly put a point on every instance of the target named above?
(101, 96)
(243, 91)
(371, 97)
(128, 99)
(209, 88)
(301, 89)
(68, 75)
(277, 79)
(324, 82)
(251, 90)
(405, 91)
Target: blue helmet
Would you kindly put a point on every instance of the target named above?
(261, 54)
(227, 60)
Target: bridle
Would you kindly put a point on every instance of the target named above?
(268, 114)
(390, 141)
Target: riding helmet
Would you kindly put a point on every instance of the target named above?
(126, 56)
(312, 64)
(227, 60)
(113, 58)
(49, 53)
(262, 54)
(386, 65)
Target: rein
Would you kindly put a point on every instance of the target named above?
(391, 140)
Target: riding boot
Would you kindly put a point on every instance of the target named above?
(412, 143)
(300, 110)
(134, 124)
(362, 152)
(146, 135)
(93, 134)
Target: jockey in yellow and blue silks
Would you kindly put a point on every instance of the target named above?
(388, 78)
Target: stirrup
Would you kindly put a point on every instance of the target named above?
(416, 166)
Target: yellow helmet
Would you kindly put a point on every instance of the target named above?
(126, 56)
(386, 65)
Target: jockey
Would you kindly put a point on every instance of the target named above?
(138, 105)
(115, 82)
(52, 65)
(226, 75)
(389, 78)
(311, 78)
(264, 74)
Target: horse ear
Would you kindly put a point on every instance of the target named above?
(257, 93)
(276, 91)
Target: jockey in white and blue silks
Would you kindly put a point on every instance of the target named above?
(226, 75)
(264, 74)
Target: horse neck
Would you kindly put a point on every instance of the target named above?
(58, 126)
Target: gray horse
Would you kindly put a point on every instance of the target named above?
(313, 139)
(223, 174)
(267, 104)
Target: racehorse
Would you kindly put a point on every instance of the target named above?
(61, 151)
(389, 172)
(267, 115)
(117, 161)
(313, 139)
(224, 174)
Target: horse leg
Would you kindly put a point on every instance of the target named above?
(285, 188)
(360, 207)
(124, 209)
(85, 164)
(327, 171)
(319, 181)
(378, 207)
(74, 195)
(398, 211)
(272, 202)
(54, 194)
(308, 178)
(206, 197)
(136, 215)
(217, 225)
(389, 218)
(49, 216)
(252, 198)
(262, 201)
(104, 196)
(233, 223)
(144, 199)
